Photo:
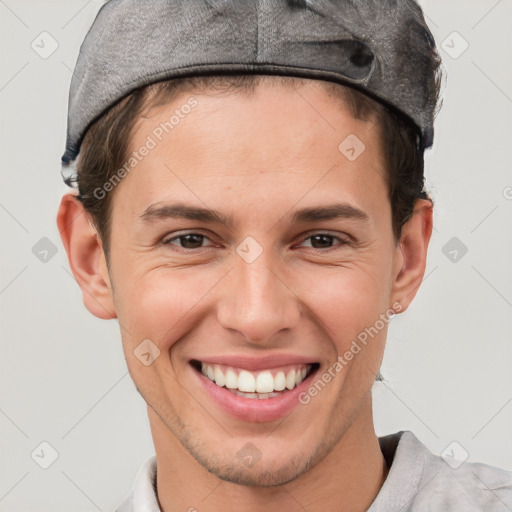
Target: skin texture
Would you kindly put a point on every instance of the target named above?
(257, 158)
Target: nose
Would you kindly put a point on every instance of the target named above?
(259, 300)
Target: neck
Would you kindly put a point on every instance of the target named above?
(349, 477)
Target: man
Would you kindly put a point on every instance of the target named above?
(251, 209)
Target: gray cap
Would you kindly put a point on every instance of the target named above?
(381, 47)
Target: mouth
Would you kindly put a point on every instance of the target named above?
(254, 395)
(258, 385)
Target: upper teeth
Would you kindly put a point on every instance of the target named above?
(266, 381)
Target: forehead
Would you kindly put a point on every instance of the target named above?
(277, 141)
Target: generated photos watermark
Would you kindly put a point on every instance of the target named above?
(152, 141)
(343, 360)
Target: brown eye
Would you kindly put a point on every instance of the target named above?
(321, 241)
(325, 241)
(187, 240)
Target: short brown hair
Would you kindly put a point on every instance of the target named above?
(105, 147)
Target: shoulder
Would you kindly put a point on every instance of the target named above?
(449, 484)
(473, 485)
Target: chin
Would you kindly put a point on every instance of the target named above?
(249, 467)
(262, 474)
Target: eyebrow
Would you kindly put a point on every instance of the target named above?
(335, 211)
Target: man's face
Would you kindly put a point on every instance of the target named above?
(266, 293)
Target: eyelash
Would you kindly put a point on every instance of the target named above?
(343, 241)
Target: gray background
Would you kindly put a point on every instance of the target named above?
(63, 374)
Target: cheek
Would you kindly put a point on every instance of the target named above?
(154, 312)
(346, 301)
(160, 305)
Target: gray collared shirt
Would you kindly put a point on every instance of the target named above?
(418, 481)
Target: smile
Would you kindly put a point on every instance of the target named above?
(256, 394)
(259, 385)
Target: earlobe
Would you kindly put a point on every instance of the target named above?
(411, 254)
(86, 257)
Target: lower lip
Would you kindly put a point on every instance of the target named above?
(256, 410)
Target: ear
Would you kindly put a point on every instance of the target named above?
(411, 254)
(86, 257)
